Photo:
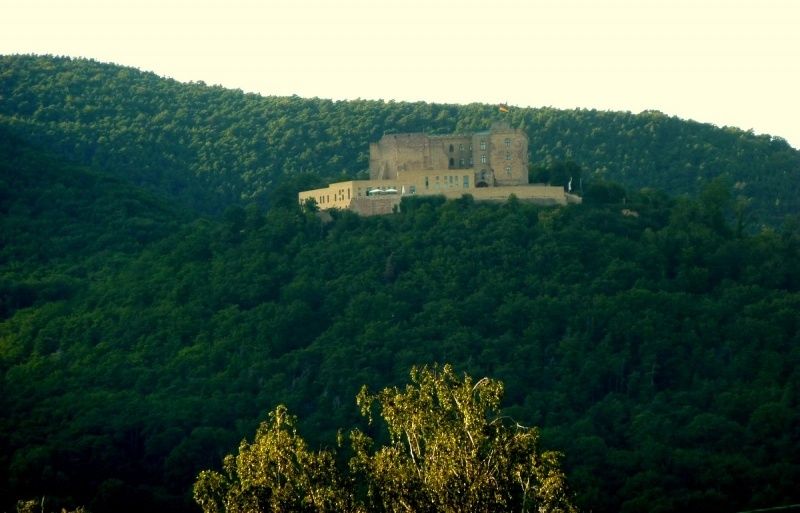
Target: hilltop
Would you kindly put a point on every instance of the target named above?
(210, 147)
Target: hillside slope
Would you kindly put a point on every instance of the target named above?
(210, 147)
(58, 221)
(658, 351)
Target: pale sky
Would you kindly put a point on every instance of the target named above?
(727, 62)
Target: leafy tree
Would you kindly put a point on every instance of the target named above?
(277, 472)
(450, 451)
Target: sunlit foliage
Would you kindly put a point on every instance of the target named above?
(450, 451)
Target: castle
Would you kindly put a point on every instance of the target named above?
(490, 165)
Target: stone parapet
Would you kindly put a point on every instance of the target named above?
(375, 206)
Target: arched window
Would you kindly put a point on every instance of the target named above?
(451, 148)
(452, 162)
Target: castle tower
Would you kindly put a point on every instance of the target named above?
(497, 157)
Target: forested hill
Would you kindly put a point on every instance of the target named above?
(656, 345)
(211, 147)
(656, 342)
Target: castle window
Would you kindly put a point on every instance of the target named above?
(452, 162)
(470, 147)
(451, 148)
(508, 170)
(426, 182)
(412, 189)
(461, 162)
(470, 161)
(483, 158)
(508, 155)
(460, 147)
(483, 145)
(466, 182)
(508, 143)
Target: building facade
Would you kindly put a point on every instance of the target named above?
(496, 157)
(489, 165)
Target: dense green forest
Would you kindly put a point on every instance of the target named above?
(658, 350)
(209, 146)
(160, 291)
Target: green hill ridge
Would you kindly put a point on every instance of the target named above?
(210, 147)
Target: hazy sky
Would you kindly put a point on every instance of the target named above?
(731, 62)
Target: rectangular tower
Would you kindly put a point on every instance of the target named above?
(496, 157)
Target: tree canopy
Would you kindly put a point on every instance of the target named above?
(450, 451)
(277, 472)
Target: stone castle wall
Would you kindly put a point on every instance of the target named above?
(508, 157)
(498, 156)
(399, 152)
(375, 206)
(543, 194)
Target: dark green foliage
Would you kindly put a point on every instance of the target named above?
(600, 192)
(657, 348)
(557, 173)
(654, 340)
(209, 147)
